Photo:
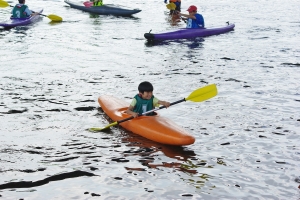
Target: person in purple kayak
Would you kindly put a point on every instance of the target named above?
(194, 19)
(21, 10)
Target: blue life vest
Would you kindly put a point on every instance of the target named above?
(195, 23)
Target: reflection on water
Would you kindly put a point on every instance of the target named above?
(246, 137)
(88, 152)
(30, 184)
(55, 23)
(191, 43)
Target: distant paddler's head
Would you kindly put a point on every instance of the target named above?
(21, 1)
(192, 9)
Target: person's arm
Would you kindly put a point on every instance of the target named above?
(157, 102)
(130, 111)
(187, 16)
(131, 107)
(164, 103)
(184, 18)
(29, 12)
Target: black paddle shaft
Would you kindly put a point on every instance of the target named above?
(171, 104)
(33, 12)
(161, 107)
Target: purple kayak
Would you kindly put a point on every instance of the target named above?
(189, 33)
(13, 22)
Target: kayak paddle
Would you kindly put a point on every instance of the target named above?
(55, 18)
(172, 6)
(198, 95)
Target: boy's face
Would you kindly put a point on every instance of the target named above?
(147, 95)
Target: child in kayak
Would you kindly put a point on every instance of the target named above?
(194, 19)
(144, 101)
(21, 10)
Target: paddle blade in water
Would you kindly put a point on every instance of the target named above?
(203, 94)
(55, 18)
(104, 128)
(3, 4)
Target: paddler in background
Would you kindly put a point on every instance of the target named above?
(98, 3)
(174, 7)
(21, 10)
(194, 19)
(176, 4)
(144, 101)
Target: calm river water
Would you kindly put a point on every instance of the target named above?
(247, 137)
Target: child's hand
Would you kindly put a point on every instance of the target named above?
(130, 112)
(165, 103)
(134, 114)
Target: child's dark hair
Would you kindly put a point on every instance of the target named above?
(145, 87)
(21, 1)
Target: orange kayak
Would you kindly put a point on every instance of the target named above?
(155, 128)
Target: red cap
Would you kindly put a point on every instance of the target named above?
(192, 8)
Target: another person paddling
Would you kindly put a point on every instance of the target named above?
(174, 6)
(98, 3)
(21, 10)
(178, 5)
(194, 19)
(144, 101)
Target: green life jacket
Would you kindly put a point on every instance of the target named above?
(98, 3)
(143, 105)
(19, 11)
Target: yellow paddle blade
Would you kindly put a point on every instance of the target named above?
(171, 6)
(54, 18)
(101, 129)
(3, 4)
(203, 94)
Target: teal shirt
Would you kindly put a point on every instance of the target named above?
(144, 105)
(20, 11)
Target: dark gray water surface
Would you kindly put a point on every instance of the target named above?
(247, 137)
